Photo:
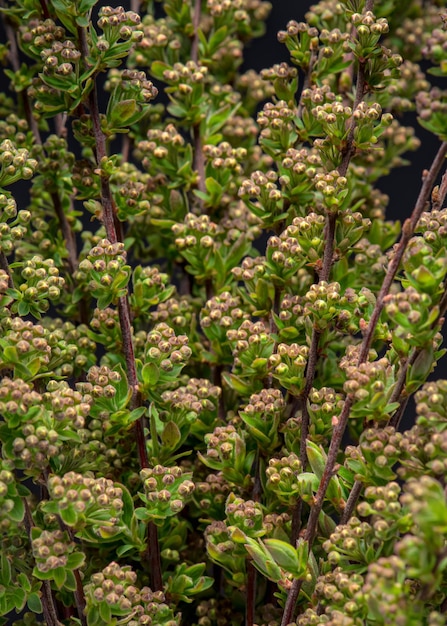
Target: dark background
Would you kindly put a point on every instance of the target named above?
(403, 185)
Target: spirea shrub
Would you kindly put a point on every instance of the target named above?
(209, 330)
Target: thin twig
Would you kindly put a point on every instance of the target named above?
(199, 160)
(48, 606)
(114, 234)
(351, 502)
(339, 429)
(328, 255)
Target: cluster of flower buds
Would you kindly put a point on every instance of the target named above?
(86, 501)
(116, 24)
(246, 515)
(288, 365)
(197, 402)
(356, 542)
(431, 405)
(424, 269)
(40, 284)
(416, 320)
(301, 40)
(180, 313)
(284, 257)
(130, 99)
(340, 593)
(61, 60)
(252, 345)
(223, 167)
(401, 92)
(211, 494)
(240, 131)
(69, 407)
(114, 592)
(275, 524)
(102, 382)
(297, 169)
(262, 196)
(11, 503)
(166, 148)
(330, 118)
(51, 549)
(13, 223)
(262, 416)
(196, 241)
(105, 272)
(149, 288)
(254, 88)
(166, 492)
(326, 306)
(34, 445)
(290, 319)
(432, 108)
(284, 80)
(210, 612)
(85, 179)
(105, 329)
(433, 227)
(226, 452)
(37, 35)
(15, 129)
(283, 478)
(221, 313)
(371, 385)
(372, 461)
(159, 42)
(130, 191)
(15, 164)
(391, 598)
(382, 502)
(435, 48)
(165, 354)
(27, 345)
(226, 552)
(278, 129)
(324, 405)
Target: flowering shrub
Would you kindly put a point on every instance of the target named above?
(209, 331)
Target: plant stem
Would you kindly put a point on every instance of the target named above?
(351, 502)
(339, 429)
(324, 274)
(48, 606)
(199, 161)
(114, 234)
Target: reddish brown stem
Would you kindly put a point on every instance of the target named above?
(328, 255)
(340, 427)
(48, 605)
(114, 234)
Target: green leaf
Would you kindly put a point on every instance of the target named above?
(34, 603)
(5, 572)
(171, 435)
(17, 513)
(150, 374)
(69, 516)
(317, 458)
(158, 69)
(262, 560)
(286, 557)
(59, 576)
(75, 560)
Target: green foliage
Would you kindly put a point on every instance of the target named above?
(176, 381)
